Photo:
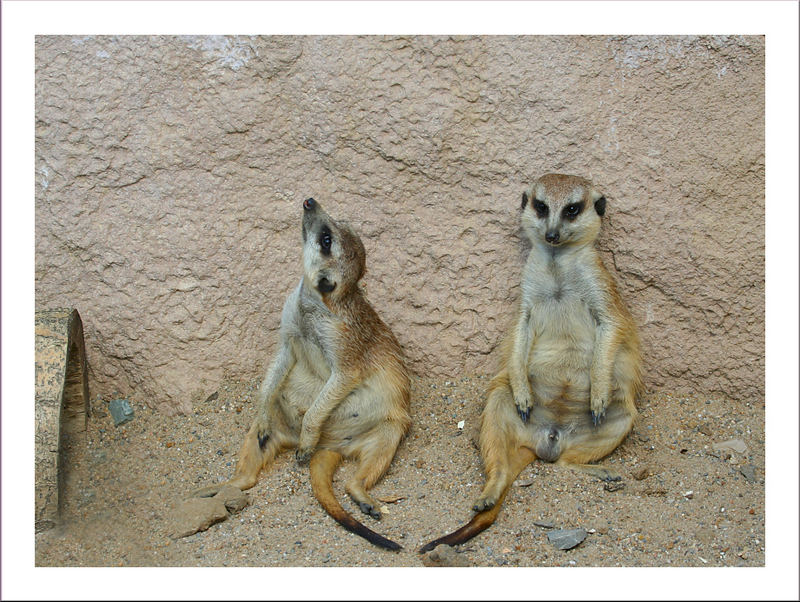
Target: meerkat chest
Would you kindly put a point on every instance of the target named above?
(309, 373)
(555, 284)
(311, 330)
(311, 359)
(557, 294)
(563, 331)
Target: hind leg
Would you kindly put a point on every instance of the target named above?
(482, 520)
(374, 459)
(500, 477)
(504, 457)
(588, 443)
(596, 470)
(268, 434)
(255, 454)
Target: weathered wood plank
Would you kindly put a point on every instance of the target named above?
(61, 403)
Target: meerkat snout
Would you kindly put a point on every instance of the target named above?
(552, 236)
(309, 204)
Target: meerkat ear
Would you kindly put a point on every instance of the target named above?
(524, 200)
(600, 206)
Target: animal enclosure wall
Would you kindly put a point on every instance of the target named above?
(170, 173)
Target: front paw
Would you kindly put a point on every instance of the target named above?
(598, 407)
(307, 444)
(523, 404)
(262, 431)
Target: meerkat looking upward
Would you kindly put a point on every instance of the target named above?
(337, 386)
(571, 368)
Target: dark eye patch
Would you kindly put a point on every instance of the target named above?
(572, 210)
(540, 208)
(325, 240)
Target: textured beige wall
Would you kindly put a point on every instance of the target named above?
(170, 172)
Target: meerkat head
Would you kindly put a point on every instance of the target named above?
(334, 259)
(560, 210)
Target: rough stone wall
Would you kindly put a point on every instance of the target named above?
(170, 173)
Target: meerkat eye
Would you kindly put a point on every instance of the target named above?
(540, 208)
(572, 211)
(325, 241)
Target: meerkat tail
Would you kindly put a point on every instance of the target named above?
(484, 519)
(479, 523)
(323, 465)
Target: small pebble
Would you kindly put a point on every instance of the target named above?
(566, 539)
(733, 445)
(121, 411)
(749, 472)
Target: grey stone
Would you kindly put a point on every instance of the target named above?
(566, 539)
(544, 524)
(732, 445)
(121, 411)
(749, 472)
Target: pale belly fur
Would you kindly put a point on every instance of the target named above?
(560, 357)
(358, 412)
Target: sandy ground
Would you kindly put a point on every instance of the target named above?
(694, 507)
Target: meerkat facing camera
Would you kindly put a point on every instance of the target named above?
(338, 386)
(571, 368)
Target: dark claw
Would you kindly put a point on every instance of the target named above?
(369, 509)
(302, 457)
(262, 440)
(524, 414)
(598, 418)
(486, 505)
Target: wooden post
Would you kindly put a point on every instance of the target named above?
(62, 404)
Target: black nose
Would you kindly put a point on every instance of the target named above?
(309, 204)
(551, 236)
